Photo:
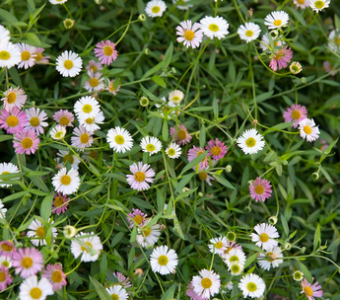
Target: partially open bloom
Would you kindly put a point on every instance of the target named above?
(64, 118)
(14, 97)
(54, 2)
(155, 8)
(319, 5)
(281, 59)
(69, 64)
(5, 277)
(204, 176)
(95, 82)
(60, 203)
(106, 52)
(206, 284)
(181, 4)
(260, 189)
(27, 262)
(66, 182)
(9, 55)
(176, 96)
(13, 121)
(26, 142)
(272, 258)
(180, 135)
(141, 176)
(36, 119)
(27, 55)
(295, 113)
(214, 27)
(308, 130)
(264, 236)
(86, 245)
(123, 281)
(295, 67)
(163, 260)
(190, 34)
(37, 232)
(7, 168)
(249, 31)
(58, 132)
(195, 152)
(252, 286)
(276, 19)
(217, 149)
(136, 217)
(55, 275)
(310, 290)
(251, 141)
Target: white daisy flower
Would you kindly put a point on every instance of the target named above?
(81, 138)
(32, 289)
(218, 245)
(9, 55)
(265, 42)
(301, 3)
(87, 107)
(7, 168)
(235, 256)
(207, 284)
(91, 123)
(4, 35)
(181, 4)
(28, 54)
(6, 261)
(37, 232)
(117, 292)
(176, 96)
(235, 268)
(66, 182)
(173, 151)
(276, 19)
(58, 132)
(151, 144)
(214, 27)
(87, 245)
(119, 139)
(251, 141)
(155, 8)
(163, 260)
(69, 64)
(272, 258)
(308, 130)
(249, 31)
(252, 286)
(334, 40)
(65, 157)
(54, 2)
(190, 35)
(95, 82)
(319, 5)
(3, 210)
(148, 236)
(264, 236)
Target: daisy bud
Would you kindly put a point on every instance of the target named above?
(69, 23)
(185, 189)
(303, 80)
(98, 1)
(274, 34)
(69, 231)
(173, 70)
(197, 135)
(272, 220)
(315, 175)
(297, 275)
(144, 101)
(146, 51)
(287, 246)
(247, 209)
(200, 194)
(139, 272)
(250, 12)
(303, 249)
(255, 122)
(295, 67)
(231, 236)
(142, 18)
(228, 168)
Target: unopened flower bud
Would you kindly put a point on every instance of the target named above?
(69, 231)
(250, 12)
(303, 249)
(231, 236)
(315, 175)
(255, 122)
(272, 220)
(144, 101)
(228, 168)
(146, 51)
(185, 189)
(274, 34)
(200, 194)
(98, 1)
(287, 246)
(247, 209)
(139, 272)
(295, 67)
(303, 80)
(142, 18)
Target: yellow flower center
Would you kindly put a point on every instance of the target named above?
(235, 268)
(36, 293)
(65, 180)
(25, 55)
(214, 27)
(234, 258)
(114, 297)
(319, 4)
(249, 33)
(203, 176)
(5, 247)
(337, 40)
(216, 150)
(87, 108)
(150, 147)
(108, 50)
(189, 35)
(58, 134)
(5, 55)
(270, 256)
(41, 232)
(27, 143)
(94, 82)
(218, 245)
(175, 99)
(38, 56)
(155, 9)
(6, 264)
(264, 237)
(181, 134)
(27, 262)
(250, 142)
(56, 276)
(11, 97)
(35, 122)
(259, 189)
(147, 231)
(68, 64)
(93, 68)
(308, 291)
(68, 158)
(252, 287)
(163, 260)
(206, 283)
(84, 138)
(279, 55)
(295, 68)
(59, 201)
(64, 121)
(138, 219)
(12, 121)
(119, 139)
(227, 250)
(89, 121)
(171, 152)
(2, 276)
(84, 248)
(140, 176)
(296, 115)
(307, 129)
(301, 1)
(277, 22)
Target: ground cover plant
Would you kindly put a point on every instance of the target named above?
(169, 149)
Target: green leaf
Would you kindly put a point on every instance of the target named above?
(101, 291)
(7, 16)
(250, 259)
(168, 56)
(306, 272)
(194, 162)
(169, 294)
(159, 80)
(215, 106)
(165, 131)
(285, 225)
(317, 238)
(46, 206)
(223, 181)
(202, 136)
(5, 137)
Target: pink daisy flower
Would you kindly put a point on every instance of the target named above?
(260, 189)
(55, 275)
(13, 121)
(136, 216)
(106, 52)
(27, 55)
(64, 118)
(142, 175)
(123, 281)
(27, 262)
(329, 68)
(40, 58)
(94, 66)
(192, 294)
(190, 34)
(217, 149)
(6, 248)
(310, 290)
(281, 59)
(204, 176)
(26, 142)
(14, 97)
(180, 135)
(60, 203)
(81, 138)
(95, 82)
(193, 153)
(5, 277)
(36, 120)
(112, 89)
(295, 113)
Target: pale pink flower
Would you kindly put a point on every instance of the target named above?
(281, 59)
(13, 121)
(217, 149)
(27, 55)
(230, 246)
(94, 66)
(295, 113)
(142, 175)
(95, 82)
(6, 248)
(64, 118)
(60, 203)
(180, 135)
(55, 275)
(204, 176)
(81, 138)
(329, 68)
(5, 277)
(136, 216)
(195, 152)
(14, 97)
(190, 34)
(27, 262)
(260, 189)
(36, 119)
(123, 281)
(26, 141)
(106, 52)
(310, 290)
(192, 294)
(40, 59)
